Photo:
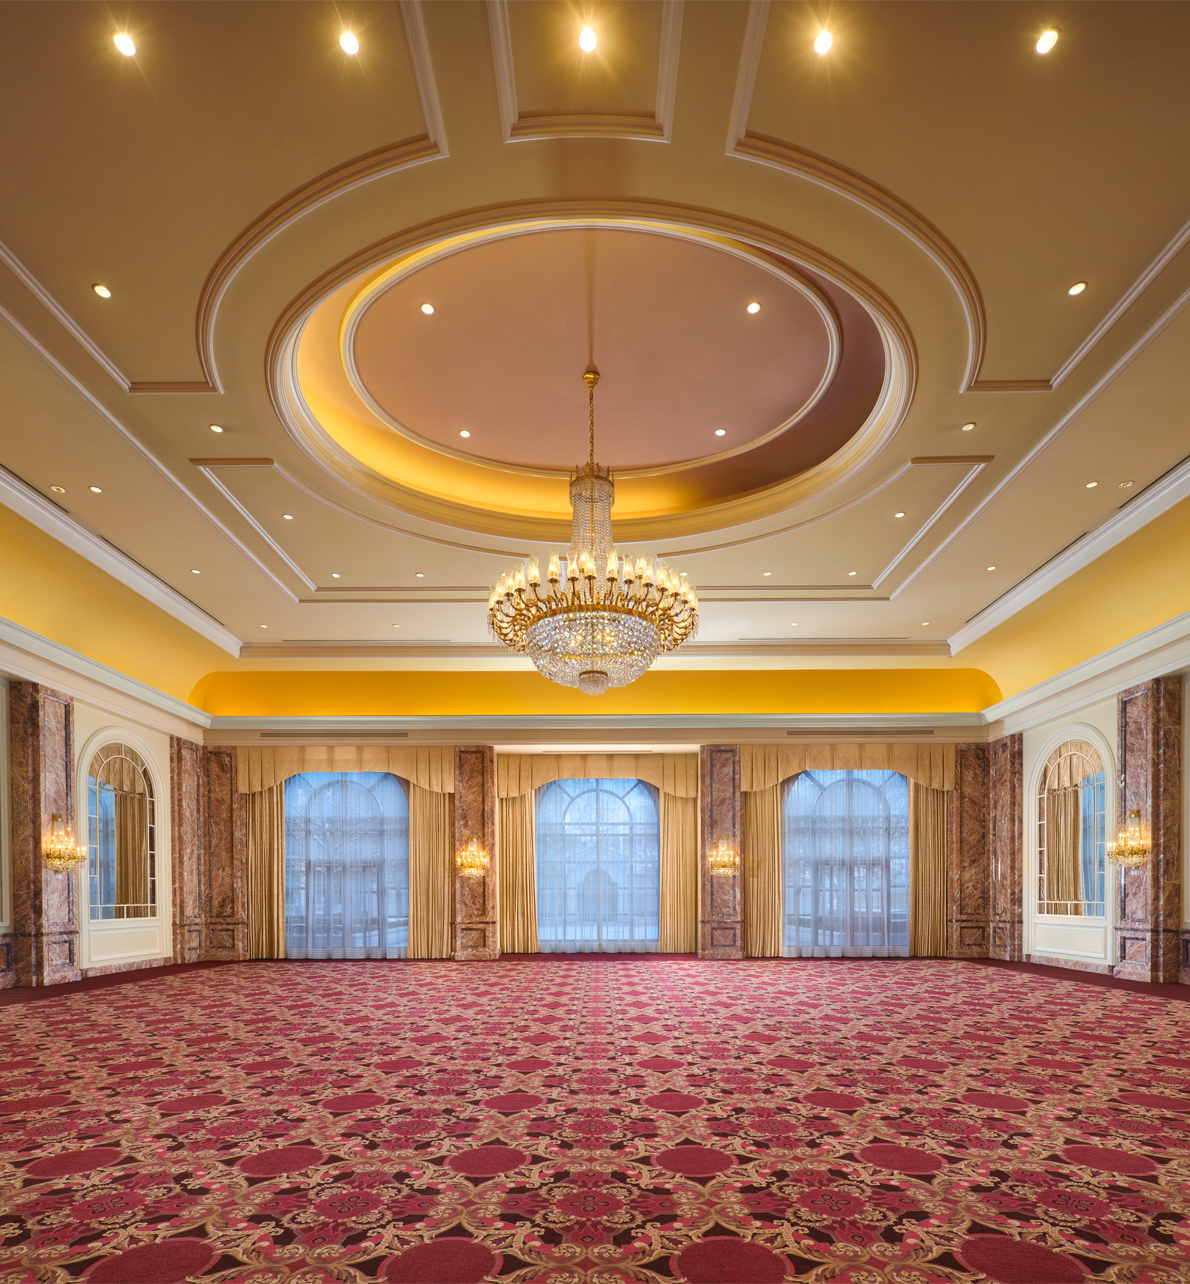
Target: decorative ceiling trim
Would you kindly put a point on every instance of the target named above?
(519, 127)
(328, 649)
(686, 221)
(1130, 518)
(82, 666)
(779, 154)
(57, 523)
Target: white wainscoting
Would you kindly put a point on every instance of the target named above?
(1084, 939)
(123, 941)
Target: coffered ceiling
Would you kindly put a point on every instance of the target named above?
(909, 210)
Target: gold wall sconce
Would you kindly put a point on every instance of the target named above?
(471, 861)
(723, 860)
(58, 847)
(1131, 848)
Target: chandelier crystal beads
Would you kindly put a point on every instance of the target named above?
(601, 618)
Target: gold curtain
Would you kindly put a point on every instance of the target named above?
(132, 855)
(518, 875)
(431, 873)
(762, 873)
(927, 871)
(266, 873)
(1063, 842)
(671, 773)
(431, 767)
(679, 875)
(762, 766)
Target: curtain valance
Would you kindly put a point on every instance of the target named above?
(672, 773)
(1070, 764)
(120, 767)
(762, 766)
(430, 767)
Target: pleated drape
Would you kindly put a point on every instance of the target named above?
(132, 855)
(762, 873)
(431, 873)
(266, 873)
(518, 876)
(1063, 852)
(678, 929)
(927, 871)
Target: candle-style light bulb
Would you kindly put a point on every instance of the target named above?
(555, 571)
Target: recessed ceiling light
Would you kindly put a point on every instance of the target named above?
(968, 427)
(793, 624)
(102, 291)
(754, 308)
(348, 43)
(852, 572)
(1121, 485)
(396, 626)
(768, 572)
(587, 40)
(335, 575)
(216, 427)
(193, 571)
(1048, 40)
(264, 626)
(823, 42)
(428, 309)
(288, 516)
(464, 433)
(58, 490)
(1092, 485)
(1077, 288)
(720, 432)
(925, 624)
(898, 514)
(421, 575)
(991, 568)
(97, 490)
(124, 43)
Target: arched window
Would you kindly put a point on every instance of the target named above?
(121, 835)
(346, 866)
(846, 857)
(598, 866)
(1071, 835)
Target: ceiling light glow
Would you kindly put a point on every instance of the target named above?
(193, 571)
(428, 309)
(968, 427)
(925, 624)
(396, 626)
(288, 516)
(898, 514)
(421, 575)
(124, 43)
(97, 490)
(823, 42)
(587, 40)
(58, 490)
(102, 291)
(768, 573)
(720, 432)
(216, 427)
(1077, 288)
(335, 575)
(1092, 485)
(991, 568)
(264, 626)
(1120, 485)
(348, 43)
(754, 308)
(852, 572)
(1048, 40)
(464, 433)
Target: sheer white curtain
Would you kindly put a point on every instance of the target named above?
(846, 859)
(346, 866)
(598, 867)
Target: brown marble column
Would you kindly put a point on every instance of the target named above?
(41, 774)
(476, 900)
(721, 815)
(225, 876)
(186, 848)
(1006, 852)
(1149, 899)
(967, 864)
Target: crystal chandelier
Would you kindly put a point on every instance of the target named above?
(602, 619)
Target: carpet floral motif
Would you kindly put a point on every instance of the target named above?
(596, 1120)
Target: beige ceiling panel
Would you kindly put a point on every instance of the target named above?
(1041, 171)
(142, 174)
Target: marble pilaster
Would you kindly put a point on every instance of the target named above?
(1149, 900)
(476, 925)
(41, 782)
(225, 850)
(1006, 848)
(967, 865)
(186, 848)
(721, 815)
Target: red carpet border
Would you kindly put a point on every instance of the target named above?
(595, 1120)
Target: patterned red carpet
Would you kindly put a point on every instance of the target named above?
(597, 1119)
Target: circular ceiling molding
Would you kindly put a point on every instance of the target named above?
(378, 391)
(688, 373)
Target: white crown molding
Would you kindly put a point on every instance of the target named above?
(1147, 506)
(74, 665)
(1160, 650)
(64, 319)
(48, 517)
(423, 74)
(667, 67)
